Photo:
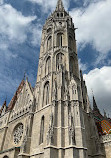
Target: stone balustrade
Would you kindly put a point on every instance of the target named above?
(58, 47)
(106, 138)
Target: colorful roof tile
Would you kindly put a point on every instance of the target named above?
(15, 97)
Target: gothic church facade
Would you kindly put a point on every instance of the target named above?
(54, 119)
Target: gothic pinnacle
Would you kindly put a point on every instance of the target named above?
(105, 115)
(94, 104)
(59, 5)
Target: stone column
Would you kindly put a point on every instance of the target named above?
(66, 106)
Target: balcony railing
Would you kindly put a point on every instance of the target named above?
(106, 138)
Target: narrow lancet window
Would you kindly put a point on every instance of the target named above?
(49, 43)
(59, 61)
(48, 66)
(59, 40)
(42, 131)
(46, 94)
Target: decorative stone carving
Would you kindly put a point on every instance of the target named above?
(98, 146)
(71, 130)
(50, 131)
(18, 133)
(54, 95)
(66, 103)
(25, 137)
(1, 122)
(66, 91)
(71, 135)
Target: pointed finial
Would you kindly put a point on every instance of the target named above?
(105, 115)
(81, 75)
(4, 104)
(24, 76)
(94, 104)
(59, 5)
(81, 72)
(27, 79)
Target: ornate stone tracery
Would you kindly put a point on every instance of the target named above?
(18, 133)
(50, 131)
(71, 129)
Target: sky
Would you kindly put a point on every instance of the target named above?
(20, 36)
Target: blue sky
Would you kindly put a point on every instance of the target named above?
(20, 35)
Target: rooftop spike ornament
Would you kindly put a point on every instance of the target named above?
(59, 6)
(94, 103)
(105, 115)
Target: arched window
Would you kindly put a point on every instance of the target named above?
(59, 60)
(49, 43)
(59, 40)
(61, 14)
(18, 133)
(41, 131)
(48, 30)
(48, 66)
(57, 14)
(5, 157)
(46, 94)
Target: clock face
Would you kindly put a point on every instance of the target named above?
(18, 133)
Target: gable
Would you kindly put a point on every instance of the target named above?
(24, 101)
(25, 98)
(3, 109)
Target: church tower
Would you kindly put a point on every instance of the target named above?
(54, 119)
(58, 127)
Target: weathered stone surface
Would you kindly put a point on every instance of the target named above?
(53, 120)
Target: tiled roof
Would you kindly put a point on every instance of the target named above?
(14, 99)
(103, 123)
(104, 127)
(4, 105)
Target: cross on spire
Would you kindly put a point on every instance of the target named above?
(59, 5)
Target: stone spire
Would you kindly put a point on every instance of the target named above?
(59, 6)
(94, 104)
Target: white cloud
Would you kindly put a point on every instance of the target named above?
(100, 81)
(87, 2)
(109, 62)
(94, 26)
(36, 34)
(1, 2)
(13, 24)
(82, 66)
(49, 4)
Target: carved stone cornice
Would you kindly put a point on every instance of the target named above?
(46, 77)
(66, 103)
